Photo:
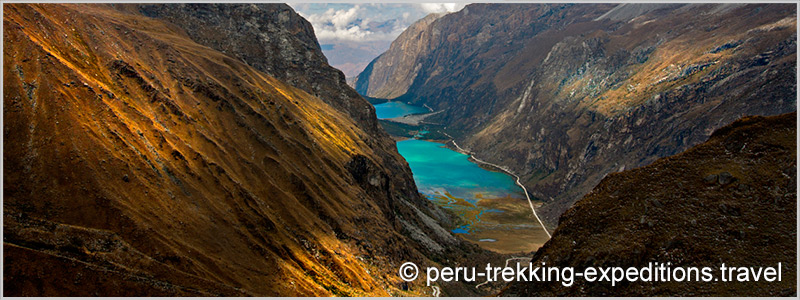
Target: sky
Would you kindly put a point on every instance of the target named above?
(351, 35)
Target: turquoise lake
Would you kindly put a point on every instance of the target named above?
(437, 169)
(490, 209)
(392, 109)
(446, 175)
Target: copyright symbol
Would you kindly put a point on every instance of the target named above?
(409, 271)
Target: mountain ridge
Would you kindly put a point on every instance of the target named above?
(730, 200)
(562, 96)
(140, 162)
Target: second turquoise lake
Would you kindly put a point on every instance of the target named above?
(392, 109)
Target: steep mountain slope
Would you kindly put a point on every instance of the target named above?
(563, 94)
(271, 38)
(731, 200)
(139, 162)
(401, 58)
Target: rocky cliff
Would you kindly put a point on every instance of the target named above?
(390, 76)
(180, 155)
(271, 38)
(731, 200)
(564, 94)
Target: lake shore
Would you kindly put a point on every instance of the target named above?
(414, 119)
(490, 208)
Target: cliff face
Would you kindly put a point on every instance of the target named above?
(459, 46)
(565, 94)
(389, 77)
(139, 159)
(730, 200)
(271, 38)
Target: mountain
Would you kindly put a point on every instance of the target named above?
(163, 150)
(381, 79)
(271, 38)
(563, 94)
(731, 200)
(351, 58)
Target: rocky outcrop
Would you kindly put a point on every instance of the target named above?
(276, 40)
(390, 76)
(731, 200)
(141, 160)
(271, 38)
(564, 94)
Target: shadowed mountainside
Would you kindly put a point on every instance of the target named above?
(730, 200)
(563, 94)
(138, 162)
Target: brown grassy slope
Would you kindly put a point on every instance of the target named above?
(678, 210)
(137, 162)
(274, 39)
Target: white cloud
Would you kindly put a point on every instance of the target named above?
(441, 7)
(340, 24)
(341, 18)
(353, 34)
(366, 22)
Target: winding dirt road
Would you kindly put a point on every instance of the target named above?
(504, 169)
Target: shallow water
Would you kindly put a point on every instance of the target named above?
(394, 109)
(492, 209)
(438, 170)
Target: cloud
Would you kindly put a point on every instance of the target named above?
(366, 22)
(351, 35)
(347, 24)
(441, 7)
